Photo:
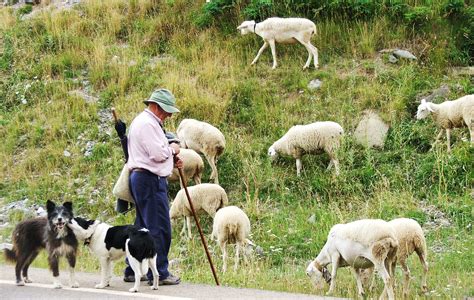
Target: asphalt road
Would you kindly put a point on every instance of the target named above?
(42, 289)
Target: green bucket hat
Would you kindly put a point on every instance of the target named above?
(165, 99)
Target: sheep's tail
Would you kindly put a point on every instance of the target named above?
(10, 255)
(314, 30)
(233, 231)
(384, 248)
(224, 201)
(420, 246)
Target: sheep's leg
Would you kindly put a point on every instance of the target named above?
(272, 46)
(448, 138)
(213, 176)
(237, 254)
(471, 131)
(299, 165)
(224, 256)
(188, 221)
(183, 231)
(265, 45)
(335, 265)
(310, 52)
(315, 54)
(386, 280)
(422, 257)
(356, 273)
(406, 279)
(440, 133)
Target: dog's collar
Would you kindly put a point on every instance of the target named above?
(254, 27)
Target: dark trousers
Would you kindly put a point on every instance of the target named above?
(151, 200)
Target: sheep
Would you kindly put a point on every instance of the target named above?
(360, 244)
(450, 114)
(193, 167)
(284, 31)
(314, 138)
(208, 197)
(231, 226)
(410, 239)
(202, 138)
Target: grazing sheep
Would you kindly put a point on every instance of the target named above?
(284, 31)
(192, 167)
(208, 197)
(314, 138)
(203, 138)
(360, 244)
(450, 114)
(231, 226)
(410, 239)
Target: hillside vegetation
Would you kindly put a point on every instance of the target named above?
(56, 145)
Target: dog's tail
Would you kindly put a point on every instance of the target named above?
(10, 255)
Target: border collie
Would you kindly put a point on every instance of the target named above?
(110, 243)
(51, 233)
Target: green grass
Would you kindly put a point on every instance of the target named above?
(208, 69)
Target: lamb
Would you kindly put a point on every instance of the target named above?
(193, 167)
(284, 31)
(450, 114)
(360, 244)
(202, 138)
(410, 239)
(208, 197)
(314, 138)
(231, 226)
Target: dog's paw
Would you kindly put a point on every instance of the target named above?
(101, 286)
(57, 286)
(154, 287)
(20, 283)
(133, 290)
(75, 284)
(27, 280)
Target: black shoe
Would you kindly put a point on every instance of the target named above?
(131, 278)
(170, 280)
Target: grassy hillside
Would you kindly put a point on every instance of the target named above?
(55, 145)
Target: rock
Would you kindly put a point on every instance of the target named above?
(441, 92)
(404, 54)
(463, 71)
(312, 219)
(315, 84)
(67, 153)
(82, 94)
(259, 251)
(392, 59)
(371, 130)
(6, 246)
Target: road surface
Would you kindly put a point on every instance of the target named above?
(42, 289)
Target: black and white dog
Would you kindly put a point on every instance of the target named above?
(109, 243)
(51, 233)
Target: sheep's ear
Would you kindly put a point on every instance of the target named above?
(239, 27)
(429, 108)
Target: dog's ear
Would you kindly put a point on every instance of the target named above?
(50, 206)
(68, 205)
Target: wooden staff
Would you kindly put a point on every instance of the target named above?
(203, 240)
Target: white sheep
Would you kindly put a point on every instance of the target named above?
(450, 114)
(231, 226)
(410, 239)
(360, 244)
(207, 197)
(314, 138)
(203, 138)
(284, 31)
(192, 167)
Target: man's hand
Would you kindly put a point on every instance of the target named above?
(178, 163)
(121, 128)
(176, 148)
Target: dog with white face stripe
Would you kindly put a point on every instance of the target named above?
(110, 243)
